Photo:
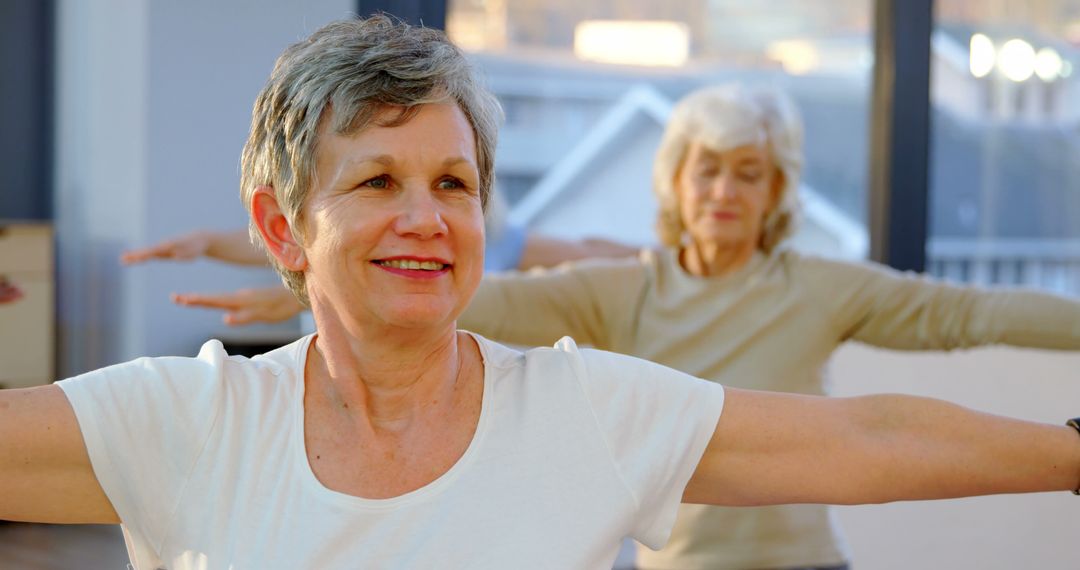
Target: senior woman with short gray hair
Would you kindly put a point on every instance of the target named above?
(390, 439)
(725, 301)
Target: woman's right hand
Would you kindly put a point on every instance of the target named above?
(9, 293)
(184, 248)
(230, 247)
(246, 306)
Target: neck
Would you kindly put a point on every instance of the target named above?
(716, 259)
(388, 375)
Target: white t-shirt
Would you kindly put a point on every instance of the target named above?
(204, 461)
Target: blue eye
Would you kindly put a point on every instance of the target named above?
(450, 184)
(379, 182)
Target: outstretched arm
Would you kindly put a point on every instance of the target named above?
(879, 306)
(275, 304)
(771, 448)
(45, 472)
(247, 306)
(230, 247)
(544, 251)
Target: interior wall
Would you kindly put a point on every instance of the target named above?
(1000, 532)
(153, 106)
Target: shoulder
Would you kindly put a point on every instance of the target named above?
(179, 383)
(823, 272)
(607, 266)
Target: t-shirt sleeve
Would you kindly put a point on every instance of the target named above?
(883, 307)
(144, 424)
(657, 422)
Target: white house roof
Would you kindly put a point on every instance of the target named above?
(645, 103)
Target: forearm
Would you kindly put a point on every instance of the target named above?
(234, 247)
(921, 448)
(543, 251)
(772, 448)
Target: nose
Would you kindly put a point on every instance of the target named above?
(723, 187)
(420, 215)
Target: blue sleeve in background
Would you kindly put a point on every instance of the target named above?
(503, 251)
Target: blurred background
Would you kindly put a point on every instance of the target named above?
(942, 136)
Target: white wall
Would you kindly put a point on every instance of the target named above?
(989, 533)
(154, 102)
(613, 200)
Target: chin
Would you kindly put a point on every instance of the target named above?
(726, 239)
(419, 315)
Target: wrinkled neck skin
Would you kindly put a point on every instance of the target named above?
(390, 373)
(712, 259)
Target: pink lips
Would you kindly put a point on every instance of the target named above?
(725, 216)
(414, 273)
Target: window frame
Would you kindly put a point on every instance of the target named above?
(899, 137)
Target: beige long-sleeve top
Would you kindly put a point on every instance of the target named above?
(770, 326)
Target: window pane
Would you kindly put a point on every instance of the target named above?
(587, 86)
(1005, 174)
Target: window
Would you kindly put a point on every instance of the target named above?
(587, 87)
(1005, 179)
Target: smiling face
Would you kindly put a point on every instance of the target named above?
(394, 229)
(724, 196)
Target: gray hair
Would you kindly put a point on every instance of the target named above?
(347, 73)
(724, 117)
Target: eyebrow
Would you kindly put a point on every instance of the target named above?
(388, 160)
(741, 161)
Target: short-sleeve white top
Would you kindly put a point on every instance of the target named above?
(204, 461)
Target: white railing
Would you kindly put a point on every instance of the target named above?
(1049, 264)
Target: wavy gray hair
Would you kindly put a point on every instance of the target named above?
(347, 73)
(724, 117)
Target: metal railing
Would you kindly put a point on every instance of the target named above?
(1050, 264)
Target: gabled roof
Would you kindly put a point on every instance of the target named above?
(643, 102)
(640, 101)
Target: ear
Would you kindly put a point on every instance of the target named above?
(276, 233)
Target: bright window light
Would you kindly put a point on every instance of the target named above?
(655, 43)
(1016, 60)
(1048, 64)
(798, 57)
(981, 59)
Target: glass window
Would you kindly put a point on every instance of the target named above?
(586, 87)
(1005, 174)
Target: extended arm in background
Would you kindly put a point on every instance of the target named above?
(247, 306)
(586, 300)
(230, 247)
(886, 308)
(275, 304)
(544, 251)
(772, 448)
